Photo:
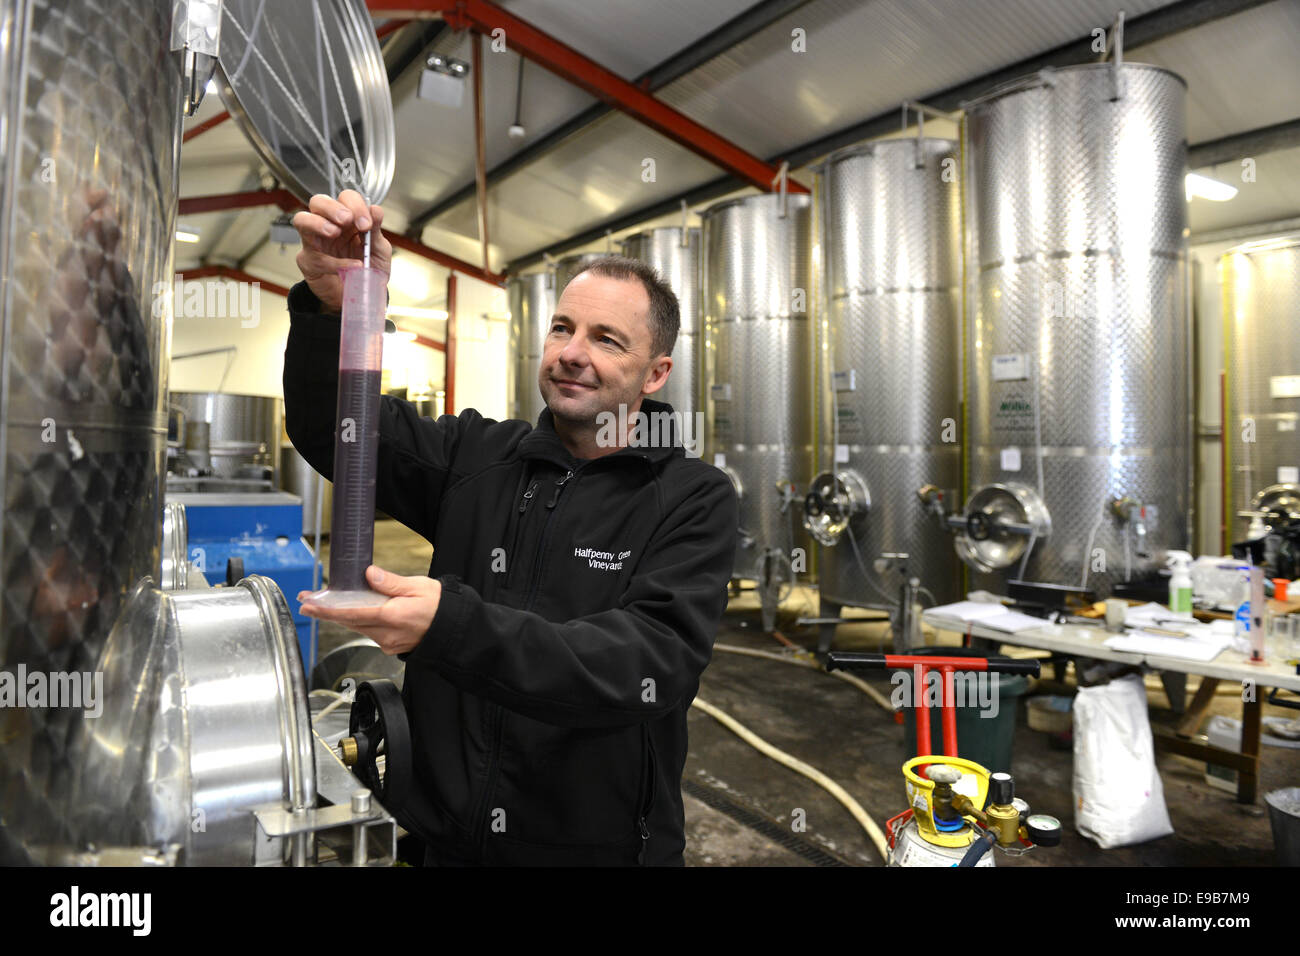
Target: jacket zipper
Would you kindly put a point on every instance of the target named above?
(528, 606)
(546, 532)
(649, 801)
(528, 497)
(524, 502)
(559, 487)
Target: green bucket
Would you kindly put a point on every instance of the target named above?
(982, 736)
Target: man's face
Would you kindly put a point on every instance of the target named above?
(598, 352)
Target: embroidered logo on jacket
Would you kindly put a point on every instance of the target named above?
(602, 560)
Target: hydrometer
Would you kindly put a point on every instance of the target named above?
(356, 437)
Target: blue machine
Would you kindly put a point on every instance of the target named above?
(264, 530)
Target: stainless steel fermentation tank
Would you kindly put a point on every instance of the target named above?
(758, 375)
(1079, 426)
(244, 431)
(532, 304)
(92, 113)
(675, 253)
(568, 267)
(891, 241)
(1261, 305)
(203, 700)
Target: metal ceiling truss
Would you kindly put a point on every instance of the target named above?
(1149, 28)
(736, 30)
(567, 63)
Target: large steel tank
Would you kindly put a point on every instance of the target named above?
(532, 304)
(758, 372)
(891, 238)
(89, 147)
(1261, 301)
(675, 253)
(137, 750)
(1079, 414)
(569, 266)
(244, 431)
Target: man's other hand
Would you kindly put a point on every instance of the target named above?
(397, 625)
(332, 239)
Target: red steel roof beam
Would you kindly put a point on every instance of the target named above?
(197, 205)
(441, 258)
(238, 275)
(225, 202)
(569, 64)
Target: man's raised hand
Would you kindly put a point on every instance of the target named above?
(332, 239)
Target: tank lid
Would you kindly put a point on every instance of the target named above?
(869, 149)
(648, 233)
(581, 257)
(795, 200)
(328, 134)
(1031, 81)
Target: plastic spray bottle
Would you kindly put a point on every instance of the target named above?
(1180, 582)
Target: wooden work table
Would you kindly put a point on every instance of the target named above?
(1079, 640)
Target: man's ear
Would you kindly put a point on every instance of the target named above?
(657, 376)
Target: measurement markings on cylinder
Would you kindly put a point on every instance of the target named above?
(777, 833)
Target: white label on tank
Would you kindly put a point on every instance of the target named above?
(841, 454)
(721, 393)
(1010, 368)
(1284, 386)
(1011, 459)
(1288, 475)
(846, 381)
(719, 460)
(1286, 424)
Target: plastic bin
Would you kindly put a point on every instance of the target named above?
(988, 740)
(1284, 815)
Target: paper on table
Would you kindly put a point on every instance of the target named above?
(967, 610)
(1147, 614)
(986, 614)
(1186, 648)
(1012, 621)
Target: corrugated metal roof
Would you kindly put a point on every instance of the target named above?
(1275, 193)
(861, 60)
(1242, 72)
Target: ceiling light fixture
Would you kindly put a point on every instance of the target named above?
(1206, 188)
(443, 80)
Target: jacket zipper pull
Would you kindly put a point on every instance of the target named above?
(528, 496)
(645, 839)
(559, 486)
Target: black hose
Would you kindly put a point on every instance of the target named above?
(977, 849)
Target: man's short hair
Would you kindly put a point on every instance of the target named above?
(665, 313)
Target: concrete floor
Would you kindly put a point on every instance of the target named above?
(740, 804)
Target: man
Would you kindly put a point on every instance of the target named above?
(555, 646)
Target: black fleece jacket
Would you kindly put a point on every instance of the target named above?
(580, 599)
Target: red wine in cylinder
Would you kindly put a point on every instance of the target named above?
(356, 449)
